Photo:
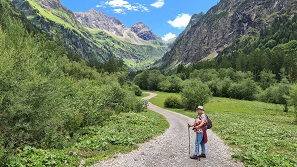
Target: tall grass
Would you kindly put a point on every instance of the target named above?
(262, 133)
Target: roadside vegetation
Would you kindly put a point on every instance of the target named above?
(56, 110)
(260, 133)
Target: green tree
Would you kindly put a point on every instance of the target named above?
(141, 79)
(246, 89)
(292, 99)
(171, 84)
(266, 79)
(154, 79)
(277, 93)
(194, 93)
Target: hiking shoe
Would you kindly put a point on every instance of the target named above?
(202, 156)
(194, 157)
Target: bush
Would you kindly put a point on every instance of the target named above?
(137, 90)
(246, 89)
(195, 93)
(173, 102)
(292, 99)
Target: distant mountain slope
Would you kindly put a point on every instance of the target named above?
(222, 25)
(144, 32)
(91, 44)
(98, 20)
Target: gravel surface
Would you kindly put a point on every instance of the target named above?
(171, 149)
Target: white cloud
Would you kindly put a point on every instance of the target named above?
(102, 5)
(168, 36)
(121, 6)
(158, 4)
(143, 8)
(116, 3)
(181, 21)
(119, 11)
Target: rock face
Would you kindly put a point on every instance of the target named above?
(50, 4)
(97, 19)
(143, 31)
(222, 25)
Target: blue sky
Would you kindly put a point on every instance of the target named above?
(166, 18)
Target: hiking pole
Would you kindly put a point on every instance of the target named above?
(189, 139)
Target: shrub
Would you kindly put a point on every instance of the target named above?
(137, 90)
(194, 93)
(292, 99)
(246, 89)
(173, 102)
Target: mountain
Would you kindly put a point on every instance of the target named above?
(90, 40)
(221, 26)
(143, 31)
(113, 26)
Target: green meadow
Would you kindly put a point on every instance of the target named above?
(261, 133)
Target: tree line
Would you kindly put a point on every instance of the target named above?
(223, 82)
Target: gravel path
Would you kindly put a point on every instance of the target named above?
(171, 149)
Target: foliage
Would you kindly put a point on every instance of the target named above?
(137, 90)
(194, 93)
(121, 133)
(246, 90)
(123, 130)
(171, 83)
(259, 133)
(149, 79)
(173, 102)
(141, 80)
(292, 99)
(46, 98)
(266, 79)
(277, 94)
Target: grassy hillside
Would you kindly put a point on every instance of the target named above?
(261, 133)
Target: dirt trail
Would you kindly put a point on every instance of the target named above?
(171, 149)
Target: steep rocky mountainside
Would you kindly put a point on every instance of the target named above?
(97, 19)
(222, 25)
(144, 31)
(90, 43)
(53, 4)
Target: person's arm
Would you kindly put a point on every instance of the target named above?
(192, 125)
(201, 124)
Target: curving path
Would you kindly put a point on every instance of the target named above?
(171, 149)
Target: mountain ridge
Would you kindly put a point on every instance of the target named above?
(112, 25)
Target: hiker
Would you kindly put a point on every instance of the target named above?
(201, 136)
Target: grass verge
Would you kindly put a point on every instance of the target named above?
(262, 133)
(121, 134)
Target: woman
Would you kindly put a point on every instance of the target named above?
(200, 129)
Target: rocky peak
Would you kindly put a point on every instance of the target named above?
(50, 4)
(97, 19)
(143, 31)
